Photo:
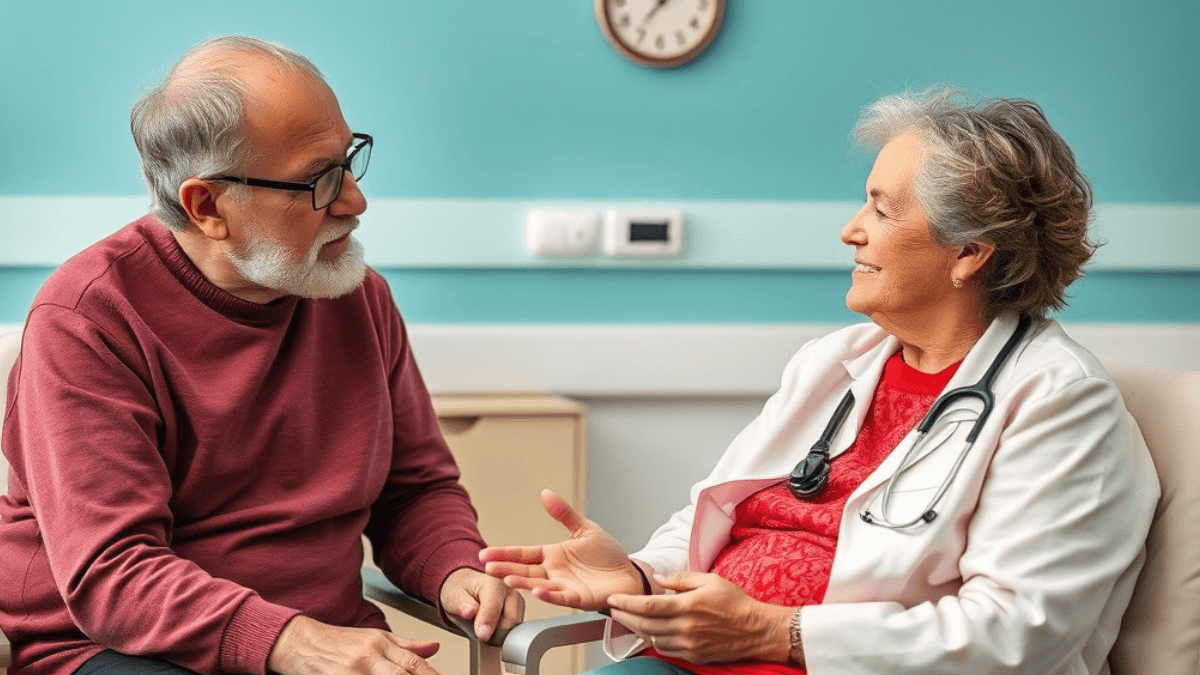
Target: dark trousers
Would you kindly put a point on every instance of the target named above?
(109, 662)
(640, 665)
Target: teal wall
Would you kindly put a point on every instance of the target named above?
(472, 99)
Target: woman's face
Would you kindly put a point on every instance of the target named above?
(901, 277)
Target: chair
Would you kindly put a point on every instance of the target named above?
(1160, 632)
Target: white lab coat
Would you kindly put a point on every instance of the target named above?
(1031, 561)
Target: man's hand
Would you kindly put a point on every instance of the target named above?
(308, 647)
(708, 620)
(470, 594)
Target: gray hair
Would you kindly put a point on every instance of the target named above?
(191, 125)
(996, 173)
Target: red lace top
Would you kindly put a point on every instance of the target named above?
(781, 548)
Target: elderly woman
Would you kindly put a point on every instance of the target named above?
(955, 487)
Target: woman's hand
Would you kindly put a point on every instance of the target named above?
(708, 620)
(581, 572)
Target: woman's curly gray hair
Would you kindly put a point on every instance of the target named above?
(996, 172)
(192, 124)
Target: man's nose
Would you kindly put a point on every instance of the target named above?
(350, 201)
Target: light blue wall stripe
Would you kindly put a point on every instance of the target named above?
(546, 296)
(489, 233)
(481, 109)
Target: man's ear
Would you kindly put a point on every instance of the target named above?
(972, 258)
(199, 200)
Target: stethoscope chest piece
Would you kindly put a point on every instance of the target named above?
(810, 477)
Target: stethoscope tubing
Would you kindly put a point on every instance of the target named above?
(811, 475)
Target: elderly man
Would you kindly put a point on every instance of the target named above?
(214, 403)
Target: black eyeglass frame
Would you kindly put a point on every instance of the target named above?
(367, 142)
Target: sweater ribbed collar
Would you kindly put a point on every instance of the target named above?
(192, 279)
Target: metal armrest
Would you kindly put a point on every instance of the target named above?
(528, 642)
(5, 654)
(378, 588)
(485, 656)
(521, 648)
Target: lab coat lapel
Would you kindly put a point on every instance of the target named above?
(864, 372)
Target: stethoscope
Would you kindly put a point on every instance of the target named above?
(811, 475)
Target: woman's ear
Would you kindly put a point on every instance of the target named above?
(199, 200)
(971, 259)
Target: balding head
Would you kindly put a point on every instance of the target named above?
(193, 124)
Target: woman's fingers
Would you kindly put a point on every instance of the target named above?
(560, 510)
(527, 582)
(507, 569)
(530, 555)
(561, 598)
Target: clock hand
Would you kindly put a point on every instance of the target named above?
(654, 9)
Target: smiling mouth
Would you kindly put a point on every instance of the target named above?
(865, 268)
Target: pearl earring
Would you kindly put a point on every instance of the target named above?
(958, 283)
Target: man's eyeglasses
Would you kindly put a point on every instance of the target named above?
(327, 185)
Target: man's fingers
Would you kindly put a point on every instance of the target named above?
(560, 510)
(458, 600)
(491, 604)
(514, 611)
(421, 649)
(410, 659)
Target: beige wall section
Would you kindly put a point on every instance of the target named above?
(508, 448)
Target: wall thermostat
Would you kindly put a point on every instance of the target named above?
(643, 232)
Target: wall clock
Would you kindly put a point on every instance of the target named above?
(660, 33)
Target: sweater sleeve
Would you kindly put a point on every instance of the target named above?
(422, 526)
(86, 448)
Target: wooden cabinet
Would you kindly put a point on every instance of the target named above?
(508, 449)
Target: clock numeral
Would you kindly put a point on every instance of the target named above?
(641, 35)
(703, 5)
(619, 3)
(695, 23)
(624, 21)
(660, 41)
(679, 37)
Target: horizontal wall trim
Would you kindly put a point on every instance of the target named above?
(689, 361)
(481, 233)
(727, 360)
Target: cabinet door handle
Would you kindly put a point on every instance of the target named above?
(459, 424)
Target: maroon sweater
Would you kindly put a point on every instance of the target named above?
(191, 470)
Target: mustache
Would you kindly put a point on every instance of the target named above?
(346, 226)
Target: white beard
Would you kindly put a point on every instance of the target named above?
(270, 264)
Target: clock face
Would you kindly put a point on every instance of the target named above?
(660, 33)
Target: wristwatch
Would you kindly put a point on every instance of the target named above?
(795, 647)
